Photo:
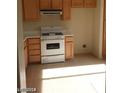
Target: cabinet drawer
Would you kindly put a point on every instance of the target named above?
(34, 46)
(69, 38)
(34, 52)
(77, 3)
(33, 59)
(33, 40)
(90, 3)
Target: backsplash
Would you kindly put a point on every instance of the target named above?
(45, 21)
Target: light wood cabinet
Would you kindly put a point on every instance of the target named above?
(90, 3)
(57, 4)
(50, 4)
(33, 46)
(83, 3)
(45, 4)
(69, 47)
(66, 10)
(77, 3)
(31, 10)
(34, 41)
(34, 50)
(34, 59)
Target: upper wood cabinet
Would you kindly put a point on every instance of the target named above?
(77, 3)
(90, 3)
(57, 4)
(66, 10)
(50, 4)
(45, 4)
(84, 3)
(31, 10)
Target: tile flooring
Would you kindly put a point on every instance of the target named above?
(83, 74)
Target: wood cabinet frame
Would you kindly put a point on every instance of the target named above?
(69, 47)
(77, 3)
(31, 10)
(66, 10)
(34, 57)
(90, 3)
(50, 4)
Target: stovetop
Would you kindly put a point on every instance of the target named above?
(52, 33)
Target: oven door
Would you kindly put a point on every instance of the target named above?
(52, 47)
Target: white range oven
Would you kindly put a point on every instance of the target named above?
(52, 45)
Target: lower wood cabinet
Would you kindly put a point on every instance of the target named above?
(34, 58)
(32, 50)
(69, 47)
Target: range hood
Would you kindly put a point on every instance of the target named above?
(51, 12)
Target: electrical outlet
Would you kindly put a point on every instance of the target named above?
(84, 45)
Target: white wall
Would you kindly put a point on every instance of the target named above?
(98, 29)
(20, 49)
(81, 25)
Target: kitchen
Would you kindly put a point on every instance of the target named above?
(80, 24)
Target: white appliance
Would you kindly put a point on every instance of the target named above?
(52, 45)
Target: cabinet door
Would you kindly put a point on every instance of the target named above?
(77, 3)
(34, 41)
(45, 4)
(69, 50)
(34, 46)
(31, 10)
(90, 3)
(66, 10)
(34, 59)
(34, 50)
(56, 4)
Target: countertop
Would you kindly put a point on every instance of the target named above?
(36, 34)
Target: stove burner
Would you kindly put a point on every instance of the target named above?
(45, 34)
(58, 33)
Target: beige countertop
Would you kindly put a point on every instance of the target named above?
(36, 34)
(31, 37)
(67, 33)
